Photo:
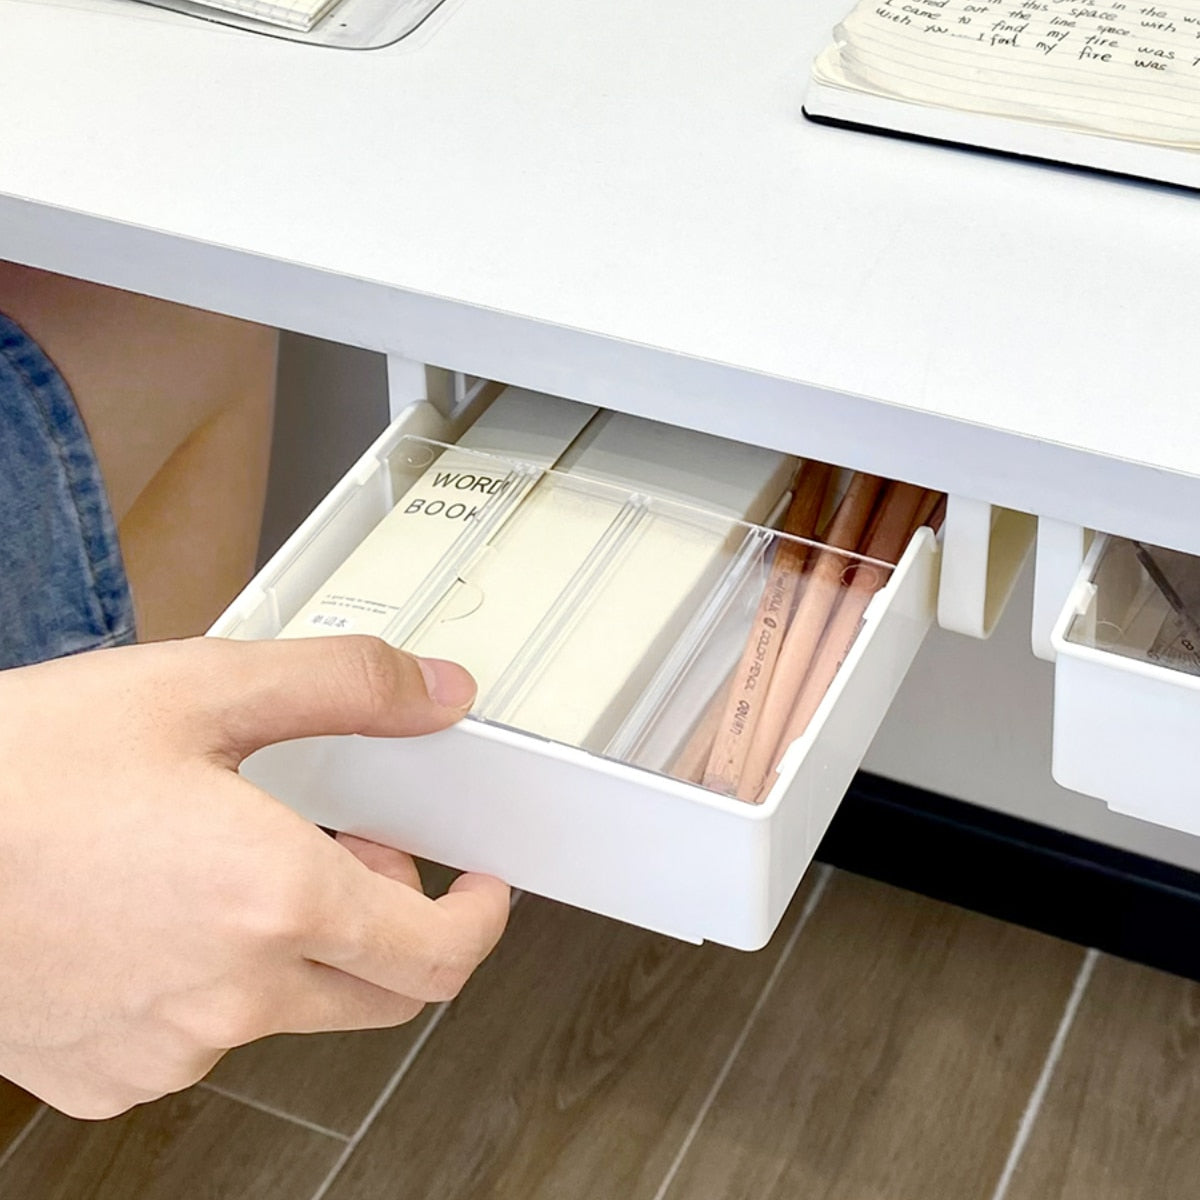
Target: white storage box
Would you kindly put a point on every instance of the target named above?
(583, 823)
(1126, 700)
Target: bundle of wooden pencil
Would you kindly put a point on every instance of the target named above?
(809, 614)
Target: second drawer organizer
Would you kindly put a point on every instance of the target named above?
(575, 776)
(1127, 675)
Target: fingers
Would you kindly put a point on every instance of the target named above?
(390, 935)
(383, 860)
(325, 999)
(225, 699)
(257, 693)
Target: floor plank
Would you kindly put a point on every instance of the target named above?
(194, 1144)
(17, 1107)
(893, 1061)
(571, 1067)
(1120, 1118)
(331, 1079)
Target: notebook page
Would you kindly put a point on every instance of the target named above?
(1128, 68)
(291, 14)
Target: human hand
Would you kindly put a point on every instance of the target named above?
(157, 909)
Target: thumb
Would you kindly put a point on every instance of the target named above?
(271, 691)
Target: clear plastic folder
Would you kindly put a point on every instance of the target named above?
(348, 24)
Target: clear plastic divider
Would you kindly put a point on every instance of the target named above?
(1144, 604)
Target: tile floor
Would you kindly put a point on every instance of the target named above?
(883, 1047)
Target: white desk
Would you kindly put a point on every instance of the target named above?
(619, 202)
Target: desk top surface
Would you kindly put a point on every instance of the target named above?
(630, 170)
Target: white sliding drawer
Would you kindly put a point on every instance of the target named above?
(1127, 683)
(583, 825)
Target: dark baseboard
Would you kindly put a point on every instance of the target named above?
(1122, 903)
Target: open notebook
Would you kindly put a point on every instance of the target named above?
(1114, 86)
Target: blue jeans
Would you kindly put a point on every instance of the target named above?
(62, 581)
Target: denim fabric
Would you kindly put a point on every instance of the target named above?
(62, 582)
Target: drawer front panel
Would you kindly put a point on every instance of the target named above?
(1126, 721)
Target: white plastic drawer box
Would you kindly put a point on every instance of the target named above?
(1126, 729)
(559, 821)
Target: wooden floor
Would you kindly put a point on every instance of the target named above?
(884, 1047)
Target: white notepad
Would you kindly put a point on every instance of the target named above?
(1112, 86)
(289, 14)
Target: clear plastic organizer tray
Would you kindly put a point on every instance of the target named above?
(349, 24)
(607, 629)
(1127, 682)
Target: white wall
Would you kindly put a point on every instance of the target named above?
(332, 403)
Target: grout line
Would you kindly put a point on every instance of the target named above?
(272, 1111)
(1034, 1106)
(388, 1090)
(27, 1129)
(384, 1096)
(826, 873)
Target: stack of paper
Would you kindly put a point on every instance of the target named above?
(290, 14)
